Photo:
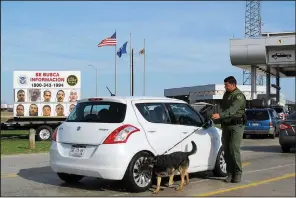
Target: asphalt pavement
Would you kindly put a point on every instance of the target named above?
(267, 172)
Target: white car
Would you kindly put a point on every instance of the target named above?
(110, 138)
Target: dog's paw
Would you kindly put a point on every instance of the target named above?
(179, 188)
(155, 191)
(170, 185)
(186, 183)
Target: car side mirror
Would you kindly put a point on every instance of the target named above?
(208, 123)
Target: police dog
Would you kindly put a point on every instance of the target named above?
(165, 165)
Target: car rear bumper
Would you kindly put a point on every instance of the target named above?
(259, 132)
(106, 162)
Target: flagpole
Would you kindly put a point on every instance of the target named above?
(144, 84)
(115, 67)
(130, 63)
(132, 74)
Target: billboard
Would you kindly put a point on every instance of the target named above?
(45, 93)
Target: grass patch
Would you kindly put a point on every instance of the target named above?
(14, 132)
(12, 147)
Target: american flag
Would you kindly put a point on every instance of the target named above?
(110, 41)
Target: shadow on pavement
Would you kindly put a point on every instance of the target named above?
(46, 176)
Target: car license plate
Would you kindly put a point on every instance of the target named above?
(77, 151)
(255, 124)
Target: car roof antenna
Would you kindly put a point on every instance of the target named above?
(110, 91)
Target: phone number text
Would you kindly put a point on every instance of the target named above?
(48, 85)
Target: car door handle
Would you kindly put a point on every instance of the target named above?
(152, 131)
(185, 132)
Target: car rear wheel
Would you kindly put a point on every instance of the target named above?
(220, 166)
(69, 178)
(138, 178)
(285, 148)
(272, 136)
(43, 133)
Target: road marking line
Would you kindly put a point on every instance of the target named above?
(274, 167)
(8, 175)
(245, 164)
(198, 181)
(120, 194)
(248, 185)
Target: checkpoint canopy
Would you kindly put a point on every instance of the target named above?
(273, 50)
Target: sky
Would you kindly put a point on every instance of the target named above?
(187, 43)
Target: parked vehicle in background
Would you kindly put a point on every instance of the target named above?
(281, 111)
(262, 121)
(44, 126)
(287, 137)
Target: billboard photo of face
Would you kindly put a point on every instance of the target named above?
(33, 110)
(60, 96)
(59, 110)
(46, 110)
(34, 95)
(46, 97)
(71, 107)
(19, 109)
(73, 97)
(20, 95)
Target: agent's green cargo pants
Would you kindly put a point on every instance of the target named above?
(231, 140)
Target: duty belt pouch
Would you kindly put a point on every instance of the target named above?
(236, 121)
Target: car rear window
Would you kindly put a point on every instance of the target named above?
(257, 115)
(102, 112)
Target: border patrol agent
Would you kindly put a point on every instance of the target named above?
(232, 123)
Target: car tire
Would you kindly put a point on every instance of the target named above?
(70, 178)
(134, 184)
(285, 148)
(43, 133)
(220, 165)
(272, 136)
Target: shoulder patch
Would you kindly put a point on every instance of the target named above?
(239, 96)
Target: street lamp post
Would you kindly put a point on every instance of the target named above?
(96, 78)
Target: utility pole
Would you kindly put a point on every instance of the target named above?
(96, 78)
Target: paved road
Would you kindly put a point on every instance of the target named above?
(267, 172)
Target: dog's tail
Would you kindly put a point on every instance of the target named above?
(194, 149)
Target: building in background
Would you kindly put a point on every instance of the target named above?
(213, 94)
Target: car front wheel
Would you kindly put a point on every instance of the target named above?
(220, 166)
(138, 177)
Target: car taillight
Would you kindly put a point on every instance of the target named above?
(270, 124)
(121, 134)
(285, 126)
(54, 135)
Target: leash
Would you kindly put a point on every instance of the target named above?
(189, 134)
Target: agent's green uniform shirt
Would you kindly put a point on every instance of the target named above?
(233, 107)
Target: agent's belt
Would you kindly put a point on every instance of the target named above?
(234, 121)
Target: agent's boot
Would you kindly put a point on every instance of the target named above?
(236, 178)
(228, 179)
